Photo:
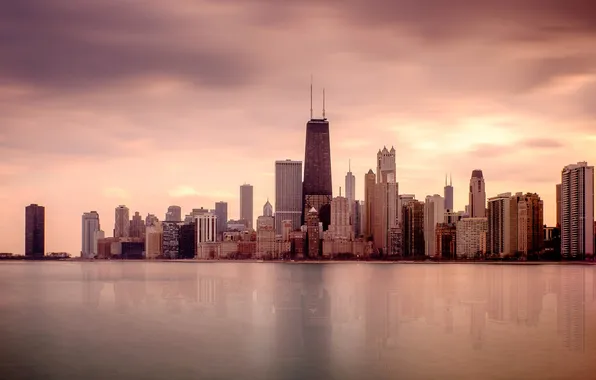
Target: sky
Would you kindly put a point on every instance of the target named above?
(152, 103)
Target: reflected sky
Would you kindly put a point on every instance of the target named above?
(133, 320)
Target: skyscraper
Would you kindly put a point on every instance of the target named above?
(317, 187)
(385, 214)
(246, 204)
(90, 227)
(174, 214)
(558, 200)
(434, 211)
(477, 195)
(122, 222)
(221, 211)
(206, 228)
(369, 200)
(502, 225)
(34, 230)
(137, 226)
(268, 209)
(351, 195)
(577, 210)
(288, 193)
(448, 194)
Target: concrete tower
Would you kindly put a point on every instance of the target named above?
(246, 204)
(288, 193)
(122, 222)
(577, 210)
(89, 229)
(477, 199)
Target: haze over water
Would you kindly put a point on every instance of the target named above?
(129, 320)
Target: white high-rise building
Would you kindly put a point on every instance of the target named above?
(477, 205)
(206, 228)
(122, 223)
(288, 193)
(471, 237)
(90, 227)
(434, 212)
(577, 210)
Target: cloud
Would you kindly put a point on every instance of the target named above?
(116, 193)
(184, 191)
(540, 143)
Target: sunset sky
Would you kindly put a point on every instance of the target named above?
(151, 103)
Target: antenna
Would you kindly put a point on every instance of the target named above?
(445, 179)
(323, 103)
(450, 183)
(349, 165)
(340, 191)
(311, 96)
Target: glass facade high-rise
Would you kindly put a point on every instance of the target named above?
(317, 186)
(34, 230)
(288, 193)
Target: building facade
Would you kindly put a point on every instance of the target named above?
(350, 185)
(577, 211)
(471, 237)
(171, 239)
(413, 228)
(313, 234)
(221, 212)
(340, 227)
(206, 228)
(558, 200)
(448, 195)
(288, 193)
(90, 227)
(266, 237)
(122, 222)
(137, 226)
(502, 225)
(369, 201)
(35, 226)
(477, 196)
(530, 224)
(246, 204)
(174, 214)
(317, 186)
(434, 213)
(154, 241)
(445, 241)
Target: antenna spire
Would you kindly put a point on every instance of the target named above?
(323, 102)
(340, 191)
(349, 165)
(445, 179)
(311, 96)
(450, 183)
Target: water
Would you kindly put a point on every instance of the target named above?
(131, 320)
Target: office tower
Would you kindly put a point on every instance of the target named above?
(313, 233)
(530, 227)
(471, 237)
(317, 187)
(286, 229)
(266, 236)
(350, 184)
(35, 230)
(448, 194)
(385, 213)
(413, 228)
(558, 200)
(246, 204)
(174, 214)
(502, 225)
(137, 226)
(154, 241)
(577, 210)
(89, 229)
(122, 222)
(434, 213)
(187, 245)
(369, 200)
(150, 220)
(445, 241)
(206, 228)
(221, 211)
(386, 169)
(340, 227)
(477, 205)
(288, 193)
(171, 239)
(268, 209)
(356, 218)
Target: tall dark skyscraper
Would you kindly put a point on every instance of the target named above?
(317, 188)
(34, 230)
(221, 211)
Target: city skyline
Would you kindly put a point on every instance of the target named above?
(520, 113)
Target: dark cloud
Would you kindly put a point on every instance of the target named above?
(60, 43)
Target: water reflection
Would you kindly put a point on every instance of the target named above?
(340, 321)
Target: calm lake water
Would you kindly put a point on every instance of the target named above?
(128, 320)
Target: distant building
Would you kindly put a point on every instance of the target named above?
(558, 200)
(351, 196)
(34, 231)
(448, 194)
(137, 226)
(268, 209)
(246, 204)
(171, 239)
(90, 227)
(369, 199)
(434, 213)
(530, 227)
(206, 228)
(287, 226)
(221, 212)
(288, 193)
(577, 211)
(340, 227)
(187, 245)
(446, 241)
(471, 237)
(154, 241)
(477, 195)
(313, 233)
(413, 228)
(151, 220)
(502, 225)
(266, 237)
(174, 214)
(122, 222)
(131, 249)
